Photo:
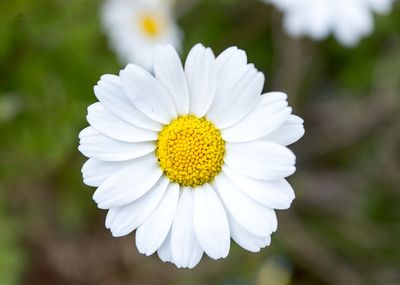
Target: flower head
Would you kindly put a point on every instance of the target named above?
(192, 156)
(136, 27)
(347, 20)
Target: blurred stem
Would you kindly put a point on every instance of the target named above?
(313, 257)
(293, 61)
(181, 7)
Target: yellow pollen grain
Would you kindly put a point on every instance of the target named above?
(150, 25)
(190, 151)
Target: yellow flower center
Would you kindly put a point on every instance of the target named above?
(151, 25)
(190, 150)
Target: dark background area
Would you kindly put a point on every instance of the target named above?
(343, 227)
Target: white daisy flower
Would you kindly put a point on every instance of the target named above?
(348, 20)
(136, 27)
(190, 157)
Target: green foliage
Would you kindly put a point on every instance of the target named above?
(12, 257)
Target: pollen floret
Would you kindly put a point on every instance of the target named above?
(151, 25)
(190, 150)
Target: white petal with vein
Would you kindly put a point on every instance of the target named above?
(101, 147)
(152, 233)
(110, 125)
(245, 239)
(88, 132)
(96, 171)
(236, 96)
(123, 220)
(110, 93)
(229, 60)
(254, 217)
(289, 132)
(210, 222)
(271, 193)
(186, 250)
(169, 71)
(164, 252)
(266, 117)
(147, 94)
(200, 76)
(260, 159)
(128, 184)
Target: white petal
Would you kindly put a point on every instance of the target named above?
(108, 124)
(147, 94)
(289, 132)
(164, 252)
(265, 118)
(128, 184)
(96, 171)
(356, 22)
(260, 159)
(201, 79)
(274, 194)
(236, 96)
(169, 71)
(110, 93)
(123, 220)
(88, 132)
(111, 214)
(230, 59)
(381, 6)
(186, 250)
(314, 19)
(210, 222)
(245, 239)
(105, 148)
(152, 233)
(255, 218)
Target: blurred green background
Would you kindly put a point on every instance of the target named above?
(344, 226)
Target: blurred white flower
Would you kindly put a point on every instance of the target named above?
(136, 27)
(192, 156)
(10, 107)
(348, 20)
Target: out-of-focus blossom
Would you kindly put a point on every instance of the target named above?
(136, 27)
(348, 20)
(10, 107)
